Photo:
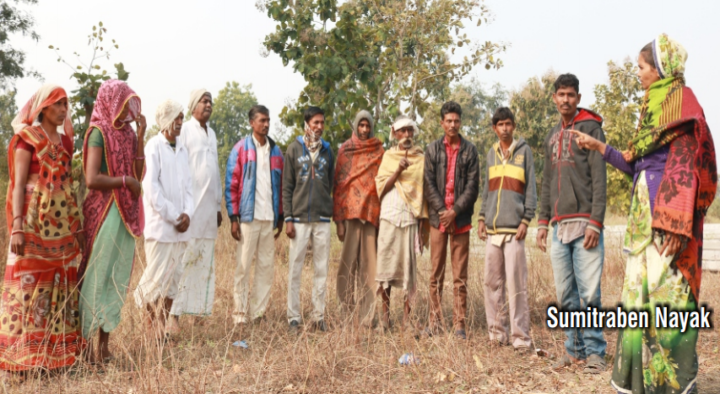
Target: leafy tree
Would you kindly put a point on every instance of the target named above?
(535, 115)
(389, 56)
(14, 21)
(230, 116)
(151, 131)
(619, 103)
(8, 110)
(89, 76)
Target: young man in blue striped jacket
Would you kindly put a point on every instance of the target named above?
(508, 205)
(253, 183)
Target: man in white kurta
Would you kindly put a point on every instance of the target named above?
(168, 205)
(196, 292)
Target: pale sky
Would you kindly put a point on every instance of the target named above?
(173, 47)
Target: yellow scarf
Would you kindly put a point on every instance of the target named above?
(410, 182)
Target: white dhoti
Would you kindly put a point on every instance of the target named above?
(162, 272)
(396, 260)
(196, 291)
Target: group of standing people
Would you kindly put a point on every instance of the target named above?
(68, 272)
(388, 206)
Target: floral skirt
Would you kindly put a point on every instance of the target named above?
(653, 360)
(39, 319)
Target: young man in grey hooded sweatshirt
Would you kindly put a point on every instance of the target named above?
(508, 205)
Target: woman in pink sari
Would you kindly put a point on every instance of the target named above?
(114, 164)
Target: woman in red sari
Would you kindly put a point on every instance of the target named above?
(39, 322)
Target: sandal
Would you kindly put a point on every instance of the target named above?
(595, 365)
(525, 351)
(566, 361)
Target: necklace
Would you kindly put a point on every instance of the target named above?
(53, 146)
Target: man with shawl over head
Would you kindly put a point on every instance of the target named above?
(403, 217)
(168, 205)
(671, 159)
(196, 292)
(114, 165)
(357, 216)
(253, 194)
(39, 325)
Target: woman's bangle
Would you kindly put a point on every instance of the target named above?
(17, 232)
(18, 217)
(82, 230)
(140, 158)
(124, 185)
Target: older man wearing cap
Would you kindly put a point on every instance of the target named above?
(168, 206)
(403, 216)
(196, 292)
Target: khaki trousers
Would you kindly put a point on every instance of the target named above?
(356, 275)
(256, 242)
(459, 246)
(320, 233)
(507, 264)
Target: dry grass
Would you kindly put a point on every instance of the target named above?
(347, 360)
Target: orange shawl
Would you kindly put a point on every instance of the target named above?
(355, 196)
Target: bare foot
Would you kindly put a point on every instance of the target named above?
(171, 326)
(12, 378)
(106, 356)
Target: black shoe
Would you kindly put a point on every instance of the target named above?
(320, 326)
(294, 327)
(461, 334)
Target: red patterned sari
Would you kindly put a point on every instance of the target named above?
(39, 324)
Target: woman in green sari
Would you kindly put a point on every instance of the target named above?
(672, 161)
(114, 164)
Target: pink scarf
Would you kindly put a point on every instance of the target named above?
(120, 151)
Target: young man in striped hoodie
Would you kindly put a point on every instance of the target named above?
(253, 195)
(508, 205)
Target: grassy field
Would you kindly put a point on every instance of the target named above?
(346, 359)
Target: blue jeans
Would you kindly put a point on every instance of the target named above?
(577, 274)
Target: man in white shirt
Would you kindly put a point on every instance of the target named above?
(168, 205)
(196, 291)
(253, 198)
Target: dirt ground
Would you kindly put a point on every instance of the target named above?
(346, 359)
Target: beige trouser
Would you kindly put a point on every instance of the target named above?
(257, 242)
(507, 264)
(356, 275)
(320, 233)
